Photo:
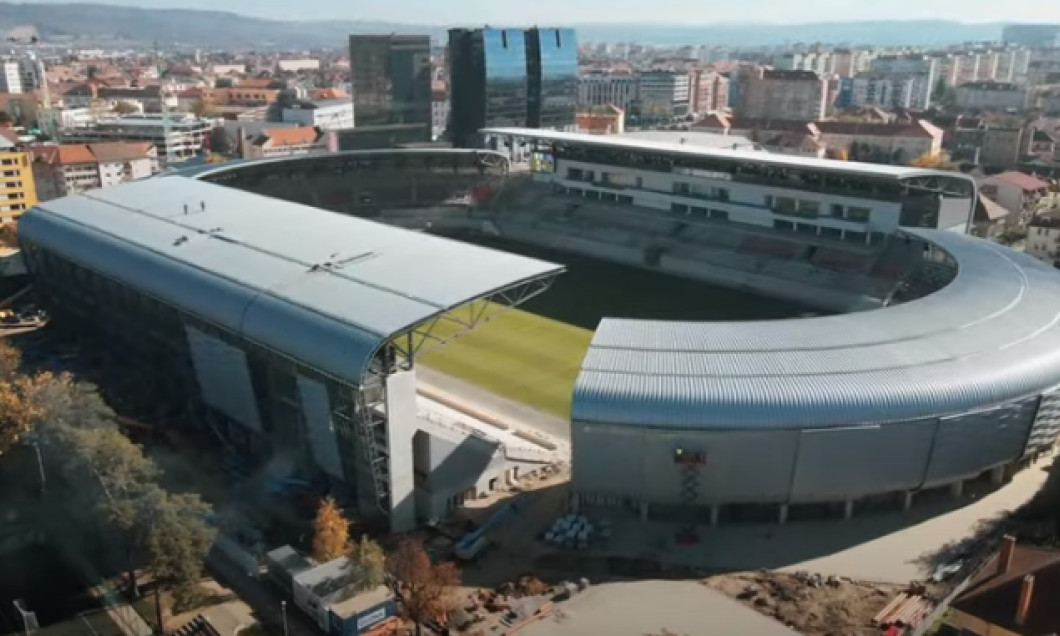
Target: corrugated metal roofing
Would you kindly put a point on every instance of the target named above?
(325, 288)
(787, 161)
(990, 336)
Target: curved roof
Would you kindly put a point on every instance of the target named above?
(990, 336)
(852, 168)
(317, 286)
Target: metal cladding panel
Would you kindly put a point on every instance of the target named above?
(320, 428)
(966, 445)
(608, 460)
(1046, 425)
(838, 464)
(741, 466)
(224, 378)
(990, 336)
(325, 288)
(209, 297)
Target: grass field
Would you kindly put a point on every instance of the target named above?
(518, 355)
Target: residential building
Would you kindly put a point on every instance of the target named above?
(24, 108)
(1032, 35)
(65, 169)
(439, 110)
(709, 92)
(18, 191)
(1043, 238)
(74, 117)
(289, 142)
(663, 95)
(391, 82)
(869, 89)
(1042, 146)
(297, 66)
(998, 96)
(552, 78)
(917, 72)
(177, 140)
(10, 77)
(1021, 194)
(990, 146)
(251, 96)
(771, 94)
(602, 120)
(897, 143)
(601, 89)
(1014, 594)
(222, 70)
(335, 114)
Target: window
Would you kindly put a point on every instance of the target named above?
(679, 208)
(625, 200)
(784, 205)
(719, 215)
(575, 174)
(858, 215)
(784, 225)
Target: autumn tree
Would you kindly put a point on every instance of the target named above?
(424, 587)
(125, 108)
(331, 532)
(370, 561)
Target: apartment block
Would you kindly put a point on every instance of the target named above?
(770, 94)
(65, 169)
(997, 96)
(18, 191)
(602, 89)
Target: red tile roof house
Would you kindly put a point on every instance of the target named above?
(1021, 194)
(1015, 594)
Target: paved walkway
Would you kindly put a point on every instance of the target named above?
(648, 607)
(264, 598)
(883, 547)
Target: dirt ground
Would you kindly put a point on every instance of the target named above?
(843, 609)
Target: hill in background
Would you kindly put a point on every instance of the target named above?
(101, 24)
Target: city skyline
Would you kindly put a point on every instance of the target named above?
(682, 12)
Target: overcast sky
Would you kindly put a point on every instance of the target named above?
(501, 12)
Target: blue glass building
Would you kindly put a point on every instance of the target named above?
(552, 72)
(511, 77)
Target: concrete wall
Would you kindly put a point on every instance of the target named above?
(401, 425)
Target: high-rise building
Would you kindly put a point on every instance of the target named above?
(663, 96)
(511, 77)
(603, 89)
(391, 82)
(552, 76)
(10, 77)
(488, 84)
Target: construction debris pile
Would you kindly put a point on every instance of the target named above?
(811, 604)
(512, 605)
(908, 609)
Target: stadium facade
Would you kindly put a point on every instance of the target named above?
(951, 369)
(290, 329)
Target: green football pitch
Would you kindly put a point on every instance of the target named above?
(518, 355)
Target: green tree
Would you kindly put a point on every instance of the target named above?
(125, 108)
(370, 561)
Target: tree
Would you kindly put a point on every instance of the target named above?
(423, 586)
(177, 543)
(220, 142)
(331, 532)
(370, 561)
(125, 108)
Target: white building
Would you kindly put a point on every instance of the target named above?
(841, 201)
(332, 114)
(600, 89)
(917, 74)
(176, 137)
(74, 117)
(440, 107)
(295, 66)
(66, 169)
(10, 77)
(663, 95)
(1043, 239)
(998, 96)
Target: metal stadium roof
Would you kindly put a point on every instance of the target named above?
(990, 336)
(322, 287)
(852, 168)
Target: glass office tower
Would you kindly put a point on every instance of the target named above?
(552, 63)
(488, 82)
(391, 81)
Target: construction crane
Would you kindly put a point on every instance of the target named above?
(165, 110)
